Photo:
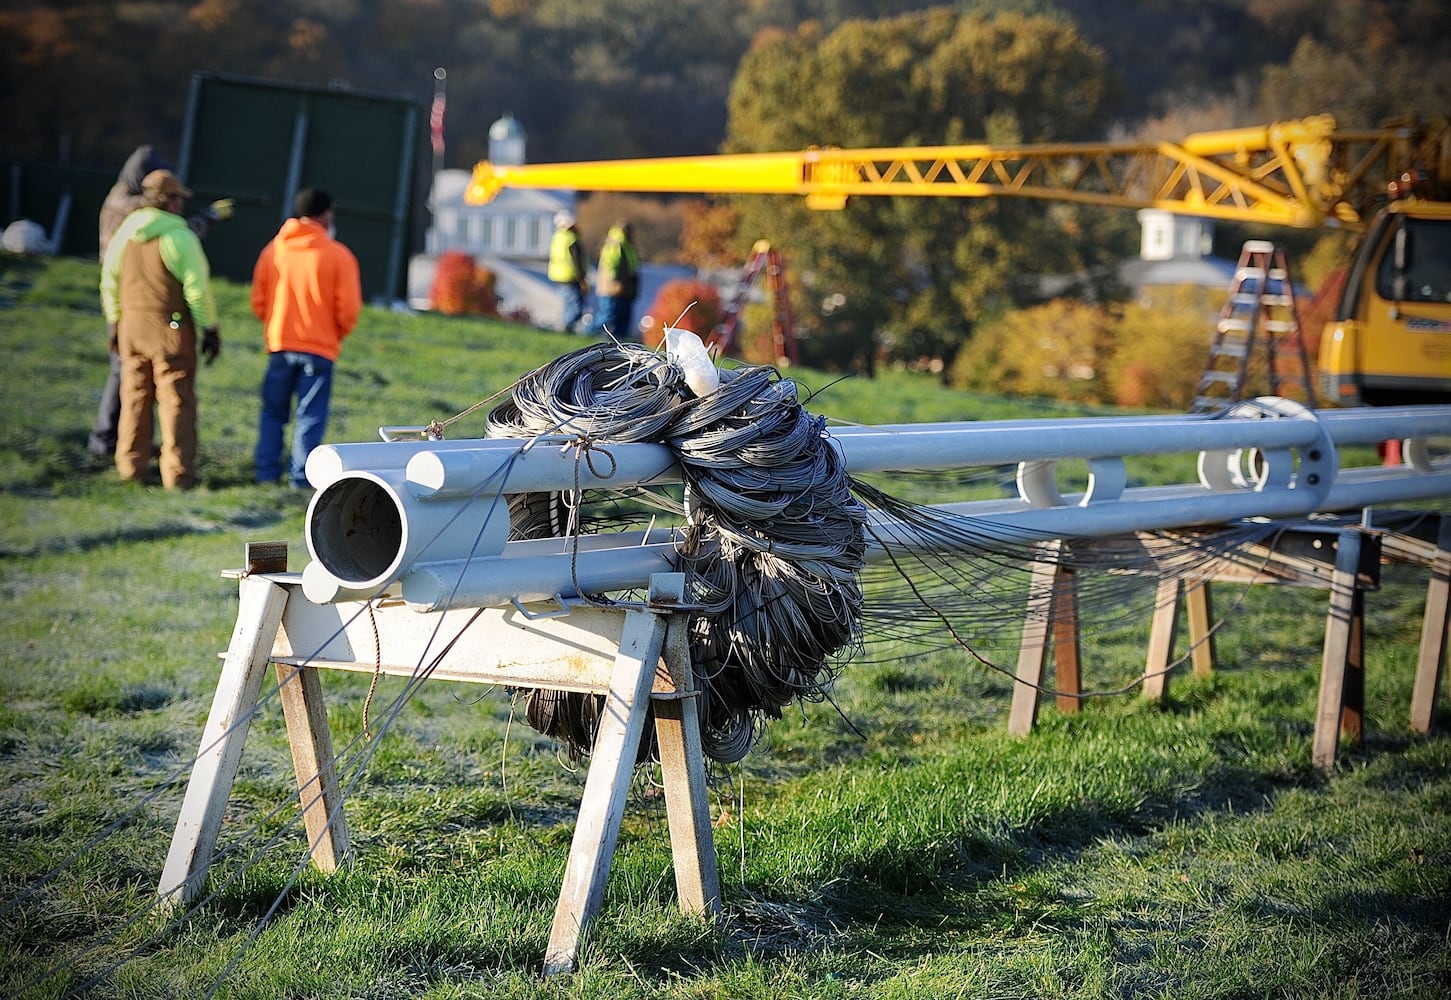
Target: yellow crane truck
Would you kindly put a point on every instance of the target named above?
(1390, 340)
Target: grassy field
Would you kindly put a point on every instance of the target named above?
(898, 844)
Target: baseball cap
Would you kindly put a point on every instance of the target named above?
(164, 182)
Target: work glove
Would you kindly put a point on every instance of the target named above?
(113, 341)
(211, 345)
(218, 211)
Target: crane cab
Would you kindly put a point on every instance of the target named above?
(1390, 341)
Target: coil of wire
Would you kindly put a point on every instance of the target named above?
(775, 540)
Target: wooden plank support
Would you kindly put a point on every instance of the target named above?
(1033, 648)
(1067, 657)
(682, 766)
(611, 764)
(1431, 658)
(1200, 605)
(1342, 666)
(258, 616)
(300, 691)
(1164, 632)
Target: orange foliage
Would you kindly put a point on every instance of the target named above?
(460, 287)
(706, 235)
(684, 304)
(1135, 386)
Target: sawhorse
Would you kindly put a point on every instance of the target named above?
(638, 657)
(1341, 558)
(1415, 538)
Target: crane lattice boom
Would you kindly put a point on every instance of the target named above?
(1300, 173)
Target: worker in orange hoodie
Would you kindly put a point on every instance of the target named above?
(306, 290)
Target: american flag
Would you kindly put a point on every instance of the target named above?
(435, 123)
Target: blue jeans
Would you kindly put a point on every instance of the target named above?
(612, 315)
(573, 304)
(309, 378)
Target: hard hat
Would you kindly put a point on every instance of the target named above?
(563, 220)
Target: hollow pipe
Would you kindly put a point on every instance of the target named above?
(1268, 458)
(366, 530)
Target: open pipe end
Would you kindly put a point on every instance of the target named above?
(355, 530)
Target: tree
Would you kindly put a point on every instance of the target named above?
(682, 304)
(1160, 348)
(1365, 61)
(916, 273)
(1060, 349)
(462, 287)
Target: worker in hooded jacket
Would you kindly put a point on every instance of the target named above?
(307, 291)
(156, 291)
(125, 197)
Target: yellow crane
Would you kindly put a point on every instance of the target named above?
(1391, 340)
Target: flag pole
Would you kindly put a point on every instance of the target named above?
(435, 129)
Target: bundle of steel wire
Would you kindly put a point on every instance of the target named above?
(774, 539)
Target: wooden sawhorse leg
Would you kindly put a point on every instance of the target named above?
(258, 617)
(300, 690)
(1431, 660)
(1051, 622)
(1165, 630)
(611, 766)
(1342, 665)
(682, 767)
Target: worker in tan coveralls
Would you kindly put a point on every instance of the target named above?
(156, 292)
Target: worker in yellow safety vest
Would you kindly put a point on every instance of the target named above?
(567, 269)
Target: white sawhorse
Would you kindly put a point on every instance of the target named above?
(638, 657)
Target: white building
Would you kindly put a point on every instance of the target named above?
(509, 235)
(1175, 250)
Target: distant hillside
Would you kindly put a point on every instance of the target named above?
(85, 82)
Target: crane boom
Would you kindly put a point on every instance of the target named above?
(1301, 173)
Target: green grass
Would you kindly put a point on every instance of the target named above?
(898, 844)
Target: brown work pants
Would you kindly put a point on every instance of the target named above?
(158, 369)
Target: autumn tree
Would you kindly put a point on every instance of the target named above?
(1060, 350)
(909, 276)
(462, 287)
(682, 304)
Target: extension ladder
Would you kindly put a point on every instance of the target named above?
(1261, 306)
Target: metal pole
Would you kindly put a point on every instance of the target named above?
(386, 512)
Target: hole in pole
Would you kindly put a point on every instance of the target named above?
(356, 530)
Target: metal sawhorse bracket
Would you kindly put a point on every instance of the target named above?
(638, 657)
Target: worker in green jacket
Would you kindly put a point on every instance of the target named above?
(617, 282)
(156, 293)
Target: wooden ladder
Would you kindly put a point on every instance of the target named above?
(1260, 307)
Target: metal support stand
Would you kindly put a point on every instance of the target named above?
(615, 652)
